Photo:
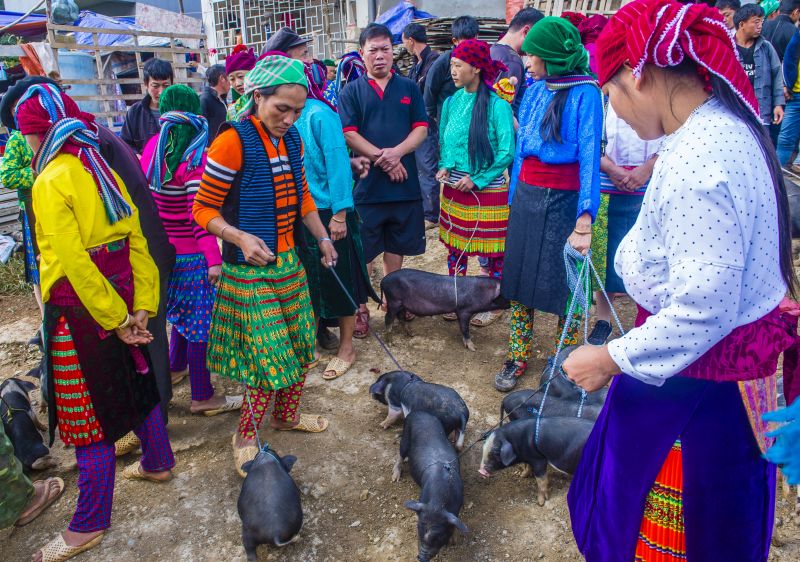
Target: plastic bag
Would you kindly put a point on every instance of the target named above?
(65, 12)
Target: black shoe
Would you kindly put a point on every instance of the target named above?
(327, 340)
(600, 333)
(506, 379)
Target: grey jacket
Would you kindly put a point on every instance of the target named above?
(768, 82)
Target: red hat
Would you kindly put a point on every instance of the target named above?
(476, 53)
(241, 58)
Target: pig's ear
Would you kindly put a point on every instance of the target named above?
(288, 462)
(507, 454)
(246, 466)
(379, 386)
(456, 522)
(414, 506)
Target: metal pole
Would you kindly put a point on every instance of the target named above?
(242, 22)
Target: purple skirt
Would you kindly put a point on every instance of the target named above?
(728, 488)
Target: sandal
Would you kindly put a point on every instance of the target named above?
(362, 324)
(58, 551)
(483, 319)
(450, 316)
(136, 472)
(242, 456)
(308, 423)
(232, 403)
(177, 377)
(338, 366)
(47, 500)
(128, 443)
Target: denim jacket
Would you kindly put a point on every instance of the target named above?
(768, 82)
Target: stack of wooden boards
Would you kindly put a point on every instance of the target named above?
(440, 31)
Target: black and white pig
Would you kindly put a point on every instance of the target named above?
(560, 445)
(562, 387)
(523, 404)
(22, 426)
(405, 392)
(434, 466)
(428, 294)
(269, 503)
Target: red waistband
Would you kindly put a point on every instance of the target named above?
(553, 176)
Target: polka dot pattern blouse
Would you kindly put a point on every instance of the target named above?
(703, 254)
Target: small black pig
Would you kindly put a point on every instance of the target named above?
(793, 192)
(22, 426)
(435, 468)
(523, 404)
(428, 294)
(269, 503)
(405, 392)
(560, 445)
(562, 387)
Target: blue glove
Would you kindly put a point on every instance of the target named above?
(786, 450)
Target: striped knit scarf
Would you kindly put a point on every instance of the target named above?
(158, 175)
(555, 83)
(81, 136)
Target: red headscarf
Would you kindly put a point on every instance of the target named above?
(574, 18)
(476, 53)
(664, 33)
(591, 27)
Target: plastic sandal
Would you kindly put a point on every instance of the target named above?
(232, 403)
(136, 472)
(126, 444)
(483, 319)
(242, 455)
(49, 500)
(450, 316)
(308, 423)
(177, 377)
(58, 551)
(338, 366)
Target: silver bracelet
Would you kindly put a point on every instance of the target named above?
(321, 240)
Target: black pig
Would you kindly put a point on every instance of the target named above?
(428, 294)
(560, 445)
(269, 503)
(404, 392)
(435, 468)
(523, 404)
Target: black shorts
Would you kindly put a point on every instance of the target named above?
(397, 228)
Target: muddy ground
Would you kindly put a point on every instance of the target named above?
(353, 512)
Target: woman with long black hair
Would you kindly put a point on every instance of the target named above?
(477, 146)
(674, 467)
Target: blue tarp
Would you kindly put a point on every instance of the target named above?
(32, 26)
(400, 16)
(92, 19)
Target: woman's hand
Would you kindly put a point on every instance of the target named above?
(465, 184)
(590, 367)
(131, 334)
(618, 175)
(329, 255)
(213, 274)
(254, 249)
(140, 318)
(637, 178)
(581, 237)
(443, 175)
(338, 227)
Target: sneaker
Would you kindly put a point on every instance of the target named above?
(506, 379)
(327, 339)
(600, 333)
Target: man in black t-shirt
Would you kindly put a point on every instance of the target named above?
(383, 118)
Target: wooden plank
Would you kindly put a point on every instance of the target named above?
(122, 48)
(11, 51)
(107, 97)
(137, 32)
(99, 64)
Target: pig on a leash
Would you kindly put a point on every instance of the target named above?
(269, 503)
(22, 426)
(434, 466)
(523, 404)
(429, 294)
(405, 392)
(560, 445)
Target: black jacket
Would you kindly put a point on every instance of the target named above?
(419, 72)
(438, 87)
(214, 110)
(140, 125)
(779, 32)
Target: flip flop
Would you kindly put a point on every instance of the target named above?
(48, 500)
(242, 455)
(177, 377)
(338, 366)
(232, 403)
(126, 444)
(136, 472)
(450, 316)
(58, 551)
(483, 319)
(308, 423)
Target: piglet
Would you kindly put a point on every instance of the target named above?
(269, 503)
(404, 392)
(523, 404)
(435, 468)
(22, 426)
(428, 294)
(560, 445)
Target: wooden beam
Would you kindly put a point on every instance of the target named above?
(138, 32)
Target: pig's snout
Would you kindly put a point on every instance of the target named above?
(483, 472)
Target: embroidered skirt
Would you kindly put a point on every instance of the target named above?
(540, 221)
(474, 222)
(263, 331)
(190, 297)
(327, 297)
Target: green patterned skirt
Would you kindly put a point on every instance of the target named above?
(263, 331)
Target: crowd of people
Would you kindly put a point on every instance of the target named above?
(248, 219)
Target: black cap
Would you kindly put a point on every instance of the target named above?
(11, 97)
(284, 39)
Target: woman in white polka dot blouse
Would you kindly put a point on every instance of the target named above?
(674, 467)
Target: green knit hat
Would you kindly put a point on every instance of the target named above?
(272, 70)
(770, 6)
(557, 42)
(329, 62)
(178, 98)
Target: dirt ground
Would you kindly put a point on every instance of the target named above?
(353, 511)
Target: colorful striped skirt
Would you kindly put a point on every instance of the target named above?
(474, 222)
(190, 297)
(263, 331)
(77, 422)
